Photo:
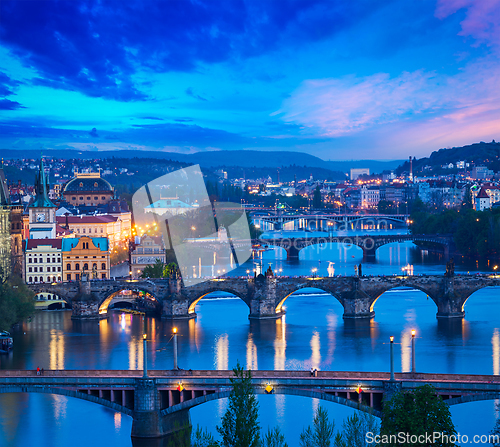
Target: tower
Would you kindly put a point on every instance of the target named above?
(42, 212)
(5, 258)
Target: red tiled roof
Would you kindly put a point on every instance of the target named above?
(61, 220)
(482, 194)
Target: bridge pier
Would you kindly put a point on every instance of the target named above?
(292, 252)
(177, 308)
(264, 299)
(357, 305)
(148, 422)
(86, 305)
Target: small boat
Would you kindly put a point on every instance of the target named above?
(6, 342)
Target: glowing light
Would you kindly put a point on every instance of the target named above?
(392, 339)
(174, 330)
(413, 333)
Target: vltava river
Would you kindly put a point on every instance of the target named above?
(312, 334)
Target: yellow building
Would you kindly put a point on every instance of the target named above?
(85, 256)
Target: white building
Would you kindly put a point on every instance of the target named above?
(370, 196)
(43, 261)
(482, 201)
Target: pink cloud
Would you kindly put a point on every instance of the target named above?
(482, 18)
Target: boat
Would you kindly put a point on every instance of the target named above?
(6, 342)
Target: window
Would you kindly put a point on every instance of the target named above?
(58, 269)
(53, 269)
(83, 231)
(77, 276)
(96, 198)
(29, 260)
(81, 198)
(41, 269)
(102, 230)
(94, 266)
(53, 260)
(30, 270)
(85, 266)
(35, 260)
(103, 276)
(68, 266)
(30, 279)
(103, 266)
(68, 277)
(36, 269)
(103, 198)
(77, 266)
(88, 198)
(59, 278)
(73, 198)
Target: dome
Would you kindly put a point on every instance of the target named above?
(93, 185)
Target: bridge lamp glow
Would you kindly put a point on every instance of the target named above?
(413, 333)
(392, 339)
(174, 330)
(144, 336)
(269, 389)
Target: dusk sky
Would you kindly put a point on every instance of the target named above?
(336, 79)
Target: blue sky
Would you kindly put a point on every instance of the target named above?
(336, 79)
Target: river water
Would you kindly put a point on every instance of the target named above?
(311, 334)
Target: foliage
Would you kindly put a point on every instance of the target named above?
(118, 255)
(354, 430)
(169, 270)
(386, 207)
(321, 433)
(273, 438)
(202, 438)
(417, 412)
(16, 302)
(154, 271)
(240, 426)
(254, 232)
(317, 201)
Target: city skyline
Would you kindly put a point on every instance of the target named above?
(339, 81)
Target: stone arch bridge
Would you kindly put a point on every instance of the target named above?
(265, 297)
(159, 401)
(368, 243)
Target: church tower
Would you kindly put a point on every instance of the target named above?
(42, 212)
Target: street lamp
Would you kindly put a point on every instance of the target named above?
(145, 355)
(314, 270)
(392, 359)
(413, 351)
(174, 330)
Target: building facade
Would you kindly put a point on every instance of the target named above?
(85, 256)
(147, 252)
(43, 260)
(88, 189)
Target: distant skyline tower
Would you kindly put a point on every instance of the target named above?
(411, 169)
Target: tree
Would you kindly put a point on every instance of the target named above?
(273, 438)
(321, 434)
(417, 412)
(354, 430)
(16, 302)
(240, 426)
(155, 270)
(170, 270)
(202, 438)
(317, 202)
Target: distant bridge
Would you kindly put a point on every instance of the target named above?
(368, 243)
(159, 403)
(335, 221)
(265, 297)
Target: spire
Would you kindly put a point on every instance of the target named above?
(42, 189)
(4, 191)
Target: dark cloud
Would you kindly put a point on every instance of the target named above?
(95, 47)
(189, 92)
(7, 104)
(93, 133)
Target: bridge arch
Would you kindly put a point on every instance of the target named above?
(194, 301)
(186, 405)
(104, 303)
(308, 285)
(68, 393)
(472, 398)
(402, 287)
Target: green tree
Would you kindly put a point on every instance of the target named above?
(273, 438)
(354, 430)
(202, 438)
(169, 270)
(386, 207)
(16, 302)
(320, 435)
(154, 271)
(317, 201)
(240, 424)
(417, 412)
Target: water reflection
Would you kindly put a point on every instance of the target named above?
(251, 354)
(222, 352)
(56, 349)
(280, 344)
(495, 341)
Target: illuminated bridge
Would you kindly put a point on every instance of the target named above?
(265, 296)
(159, 403)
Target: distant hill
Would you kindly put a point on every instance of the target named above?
(219, 159)
(482, 153)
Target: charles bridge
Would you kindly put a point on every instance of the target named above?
(266, 296)
(159, 401)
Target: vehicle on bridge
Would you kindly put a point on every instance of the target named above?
(6, 342)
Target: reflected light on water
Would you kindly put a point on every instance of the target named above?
(280, 345)
(59, 406)
(495, 341)
(56, 349)
(316, 350)
(222, 352)
(251, 354)
(118, 421)
(135, 354)
(331, 323)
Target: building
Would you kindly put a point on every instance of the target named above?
(481, 173)
(42, 212)
(85, 256)
(370, 196)
(355, 173)
(482, 200)
(43, 262)
(170, 206)
(5, 249)
(147, 252)
(88, 189)
(117, 228)
(492, 190)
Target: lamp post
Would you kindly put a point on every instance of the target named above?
(413, 351)
(175, 348)
(392, 359)
(145, 355)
